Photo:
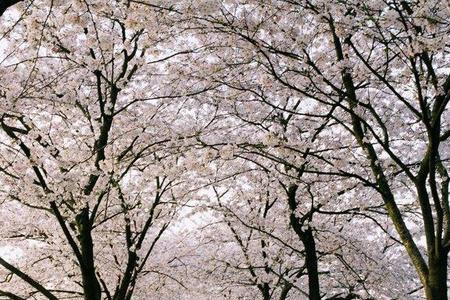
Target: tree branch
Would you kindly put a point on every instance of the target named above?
(28, 280)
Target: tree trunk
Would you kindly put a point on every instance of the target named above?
(285, 291)
(307, 238)
(436, 287)
(265, 290)
(311, 264)
(91, 286)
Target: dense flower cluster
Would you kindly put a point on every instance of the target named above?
(269, 149)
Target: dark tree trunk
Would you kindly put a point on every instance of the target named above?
(436, 287)
(265, 290)
(285, 291)
(307, 238)
(91, 286)
(311, 264)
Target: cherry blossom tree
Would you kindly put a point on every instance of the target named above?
(230, 149)
(92, 125)
(375, 76)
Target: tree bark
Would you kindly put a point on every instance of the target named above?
(307, 238)
(265, 290)
(311, 264)
(436, 285)
(91, 285)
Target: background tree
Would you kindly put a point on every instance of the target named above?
(91, 150)
(376, 74)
